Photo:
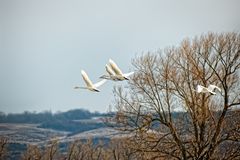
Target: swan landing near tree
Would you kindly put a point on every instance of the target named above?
(209, 89)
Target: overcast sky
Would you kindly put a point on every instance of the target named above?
(44, 44)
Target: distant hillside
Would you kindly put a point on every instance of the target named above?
(73, 121)
(33, 117)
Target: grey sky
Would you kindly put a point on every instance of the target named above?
(44, 44)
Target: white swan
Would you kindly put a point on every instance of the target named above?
(89, 85)
(114, 72)
(111, 74)
(209, 89)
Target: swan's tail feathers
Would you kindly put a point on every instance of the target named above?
(213, 87)
(128, 74)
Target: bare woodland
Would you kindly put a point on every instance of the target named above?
(209, 128)
(206, 126)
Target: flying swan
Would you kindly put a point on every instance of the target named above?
(211, 88)
(89, 85)
(114, 72)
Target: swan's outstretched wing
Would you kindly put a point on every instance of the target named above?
(98, 84)
(86, 79)
(114, 67)
(128, 74)
(109, 70)
(212, 87)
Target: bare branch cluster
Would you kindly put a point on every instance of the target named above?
(161, 98)
(3, 147)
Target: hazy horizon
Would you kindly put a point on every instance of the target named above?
(45, 44)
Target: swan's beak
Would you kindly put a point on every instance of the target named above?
(126, 78)
(76, 87)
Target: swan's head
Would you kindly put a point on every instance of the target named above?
(104, 77)
(76, 87)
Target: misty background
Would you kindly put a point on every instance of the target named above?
(44, 44)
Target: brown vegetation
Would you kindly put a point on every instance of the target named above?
(117, 149)
(208, 126)
(3, 147)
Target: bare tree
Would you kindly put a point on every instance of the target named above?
(3, 147)
(208, 125)
(51, 150)
(33, 152)
(79, 150)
